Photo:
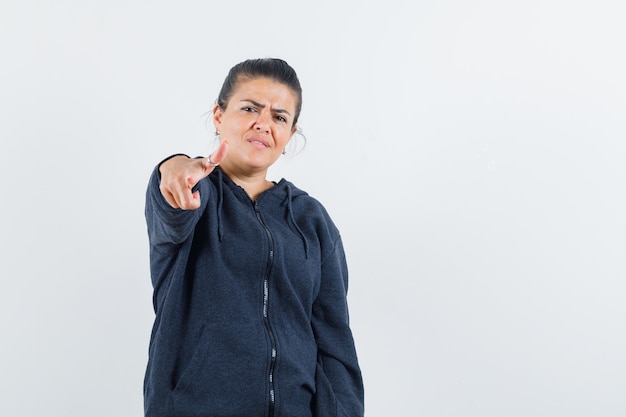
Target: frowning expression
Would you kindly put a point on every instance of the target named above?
(257, 122)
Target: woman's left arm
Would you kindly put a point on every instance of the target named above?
(339, 383)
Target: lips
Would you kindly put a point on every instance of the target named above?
(259, 142)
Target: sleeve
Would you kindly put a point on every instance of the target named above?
(169, 229)
(339, 383)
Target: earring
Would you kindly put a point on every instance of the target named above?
(216, 139)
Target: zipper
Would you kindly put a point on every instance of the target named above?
(266, 295)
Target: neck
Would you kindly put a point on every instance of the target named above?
(253, 185)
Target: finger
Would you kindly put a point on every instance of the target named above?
(177, 193)
(169, 197)
(216, 157)
(220, 153)
(192, 201)
(196, 170)
(178, 178)
(186, 198)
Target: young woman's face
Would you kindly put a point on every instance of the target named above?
(257, 122)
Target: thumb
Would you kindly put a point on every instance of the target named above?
(209, 163)
(217, 157)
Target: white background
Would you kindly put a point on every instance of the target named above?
(471, 152)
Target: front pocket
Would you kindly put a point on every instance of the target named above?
(226, 374)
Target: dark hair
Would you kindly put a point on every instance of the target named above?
(272, 68)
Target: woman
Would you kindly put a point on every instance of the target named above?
(249, 275)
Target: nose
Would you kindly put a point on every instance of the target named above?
(262, 123)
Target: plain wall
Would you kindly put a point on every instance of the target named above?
(471, 153)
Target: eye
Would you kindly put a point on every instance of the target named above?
(281, 119)
(248, 109)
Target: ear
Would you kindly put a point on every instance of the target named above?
(217, 117)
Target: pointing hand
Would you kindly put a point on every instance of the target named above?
(180, 174)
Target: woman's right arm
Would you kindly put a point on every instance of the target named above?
(168, 224)
(173, 199)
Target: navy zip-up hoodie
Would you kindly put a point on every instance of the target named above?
(250, 303)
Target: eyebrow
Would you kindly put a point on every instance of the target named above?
(262, 106)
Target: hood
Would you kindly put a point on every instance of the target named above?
(285, 191)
